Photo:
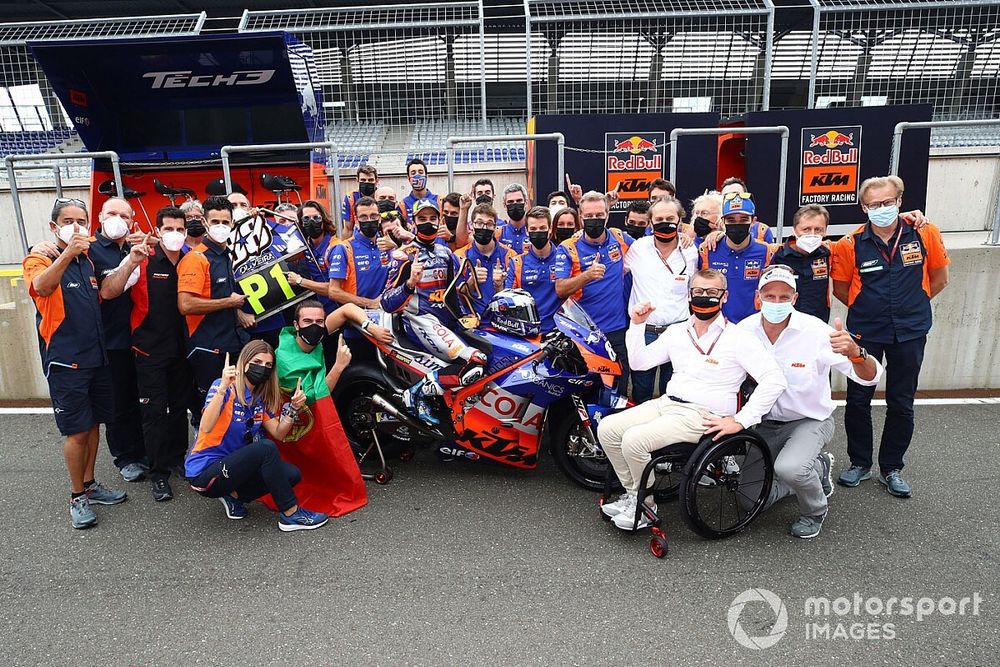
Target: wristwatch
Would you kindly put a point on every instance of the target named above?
(862, 356)
(367, 323)
(299, 284)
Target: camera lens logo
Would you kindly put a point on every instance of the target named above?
(777, 630)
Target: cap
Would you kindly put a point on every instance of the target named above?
(777, 273)
(425, 204)
(738, 205)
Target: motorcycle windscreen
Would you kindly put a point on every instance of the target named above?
(572, 320)
(459, 294)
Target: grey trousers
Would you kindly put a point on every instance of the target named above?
(794, 447)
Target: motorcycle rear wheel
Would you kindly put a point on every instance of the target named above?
(566, 446)
(358, 415)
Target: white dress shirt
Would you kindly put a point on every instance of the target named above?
(805, 357)
(711, 376)
(663, 285)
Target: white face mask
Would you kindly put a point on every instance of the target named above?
(65, 233)
(809, 242)
(775, 313)
(219, 233)
(172, 241)
(114, 227)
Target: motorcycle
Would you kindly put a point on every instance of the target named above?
(560, 384)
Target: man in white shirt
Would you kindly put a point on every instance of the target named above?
(711, 359)
(800, 423)
(660, 271)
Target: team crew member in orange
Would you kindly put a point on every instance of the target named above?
(71, 344)
(887, 272)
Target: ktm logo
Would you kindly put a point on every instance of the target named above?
(185, 79)
(629, 185)
(829, 178)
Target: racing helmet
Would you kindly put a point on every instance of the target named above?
(513, 311)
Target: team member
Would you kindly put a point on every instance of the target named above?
(887, 273)
(660, 187)
(235, 458)
(321, 235)
(488, 258)
(416, 175)
(534, 270)
(637, 219)
(158, 342)
(557, 200)
(800, 423)
(711, 359)
(565, 224)
(740, 257)
(758, 230)
(71, 345)
(194, 223)
(387, 201)
(514, 234)
(706, 212)
(660, 270)
(591, 269)
(482, 193)
(358, 267)
(108, 252)
(367, 184)
(209, 302)
(809, 257)
(451, 213)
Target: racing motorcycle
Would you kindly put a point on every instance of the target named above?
(560, 385)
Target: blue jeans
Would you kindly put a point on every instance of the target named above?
(642, 381)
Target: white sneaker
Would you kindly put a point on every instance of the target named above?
(613, 509)
(626, 517)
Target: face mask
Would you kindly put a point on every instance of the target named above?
(809, 242)
(884, 216)
(219, 233)
(738, 233)
(484, 199)
(705, 307)
(539, 239)
(257, 374)
(65, 233)
(194, 227)
(427, 231)
(366, 189)
(386, 205)
(114, 227)
(635, 231)
(312, 334)
(702, 227)
(418, 181)
(515, 211)
(665, 231)
(483, 236)
(369, 229)
(775, 313)
(312, 226)
(172, 241)
(451, 222)
(594, 227)
(563, 233)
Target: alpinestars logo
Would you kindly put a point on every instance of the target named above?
(187, 79)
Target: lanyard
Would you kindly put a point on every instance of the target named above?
(666, 259)
(892, 253)
(711, 347)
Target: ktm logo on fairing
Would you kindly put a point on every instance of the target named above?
(187, 79)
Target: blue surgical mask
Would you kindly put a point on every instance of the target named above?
(884, 216)
(775, 313)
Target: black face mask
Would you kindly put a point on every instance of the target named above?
(738, 233)
(366, 189)
(312, 334)
(482, 236)
(312, 227)
(705, 307)
(484, 199)
(702, 227)
(539, 239)
(635, 231)
(258, 374)
(665, 231)
(451, 222)
(594, 227)
(369, 229)
(194, 227)
(427, 231)
(386, 205)
(515, 211)
(563, 233)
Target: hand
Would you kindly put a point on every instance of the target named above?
(443, 232)
(236, 300)
(246, 320)
(480, 272)
(721, 426)
(46, 249)
(685, 236)
(299, 397)
(78, 244)
(595, 271)
(228, 374)
(139, 253)
(371, 304)
(416, 273)
(612, 195)
(294, 278)
(841, 341)
(343, 356)
(499, 276)
(642, 311)
(385, 243)
(574, 190)
(712, 239)
(381, 334)
(465, 201)
(141, 237)
(915, 218)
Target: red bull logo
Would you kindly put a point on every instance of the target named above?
(831, 160)
(632, 161)
(832, 139)
(634, 145)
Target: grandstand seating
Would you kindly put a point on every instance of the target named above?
(27, 143)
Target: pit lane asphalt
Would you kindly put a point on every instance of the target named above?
(471, 564)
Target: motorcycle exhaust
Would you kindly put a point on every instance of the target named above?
(415, 424)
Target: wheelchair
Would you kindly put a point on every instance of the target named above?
(722, 486)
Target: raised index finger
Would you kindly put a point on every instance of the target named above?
(226, 364)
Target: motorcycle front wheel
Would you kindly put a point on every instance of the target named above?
(576, 452)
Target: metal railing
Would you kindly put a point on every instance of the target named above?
(897, 134)
(557, 137)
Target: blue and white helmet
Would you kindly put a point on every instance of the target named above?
(513, 311)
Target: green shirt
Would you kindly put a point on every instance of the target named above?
(293, 364)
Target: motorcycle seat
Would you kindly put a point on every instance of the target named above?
(108, 188)
(169, 191)
(278, 183)
(471, 338)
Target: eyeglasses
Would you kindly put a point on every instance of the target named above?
(707, 291)
(881, 204)
(734, 195)
(312, 218)
(776, 267)
(195, 218)
(389, 215)
(71, 200)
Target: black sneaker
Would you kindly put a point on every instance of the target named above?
(162, 490)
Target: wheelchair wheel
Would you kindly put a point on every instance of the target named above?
(726, 485)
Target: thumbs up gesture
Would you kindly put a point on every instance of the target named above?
(499, 275)
(299, 397)
(481, 273)
(842, 342)
(596, 270)
(416, 272)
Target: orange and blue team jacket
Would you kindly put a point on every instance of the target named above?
(604, 300)
(230, 431)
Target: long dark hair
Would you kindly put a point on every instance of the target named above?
(328, 225)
